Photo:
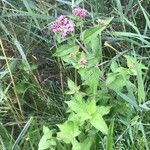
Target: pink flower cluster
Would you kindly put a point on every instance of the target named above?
(80, 12)
(62, 25)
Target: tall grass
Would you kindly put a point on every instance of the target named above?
(32, 81)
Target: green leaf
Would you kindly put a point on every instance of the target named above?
(96, 47)
(99, 123)
(76, 106)
(87, 143)
(134, 120)
(68, 131)
(66, 50)
(132, 62)
(88, 34)
(109, 142)
(115, 81)
(75, 145)
(104, 110)
(79, 107)
(72, 87)
(136, 69)
(114, 66)
(91, 107)
(46, 141)
(90, 77)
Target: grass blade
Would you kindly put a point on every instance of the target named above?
(24, 130)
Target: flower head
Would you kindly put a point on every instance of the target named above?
(82, 62)
(80, 12)
(62, 25)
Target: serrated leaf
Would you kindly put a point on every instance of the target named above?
(91, 107)
(46, 141)
(80, 109)
(90, 77)
(99, 123)
(68, 131)
(72, 87)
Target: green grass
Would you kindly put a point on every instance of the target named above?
(32, 82)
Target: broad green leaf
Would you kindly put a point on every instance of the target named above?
(115, 81)
(46, 141)
(91, 107)
(88, 34)
(76, 106)
(75, 145)
(80, 109)
(111, 78)
(73, 88)
(90, 77)
(114, 66)
(104, 110)
(66, 50)
(68, 131)
(99, 123)
(87, 143)
(96, 47)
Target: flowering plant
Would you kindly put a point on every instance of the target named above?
(85, 108)
(85, 116)
(63, 26)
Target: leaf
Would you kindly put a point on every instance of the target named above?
(96, 46)
(134, 120)
(68, 131)
(91, 107)
(132, 102)
(90, 77)
(46, 141)
(80, 109)
(75, 145)
(98, 122)
(76, 106)
(136, 69)
(132, 63)
(88, 34)
(115, 81)
(104, 110)
(114, 66)
(109, 142)
(87, 143)
(66, 49)
(72, 87)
